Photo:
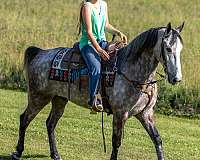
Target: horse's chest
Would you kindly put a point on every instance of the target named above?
(123, 93)
(132, 99)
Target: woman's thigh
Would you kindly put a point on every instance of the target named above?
(91, 57)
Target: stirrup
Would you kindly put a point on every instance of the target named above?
(97, 105)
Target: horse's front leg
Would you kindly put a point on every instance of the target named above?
(117, 134)
(147, 121)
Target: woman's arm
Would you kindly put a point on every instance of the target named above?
(109, 28)
(86, 17)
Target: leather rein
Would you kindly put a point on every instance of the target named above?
(138, 84)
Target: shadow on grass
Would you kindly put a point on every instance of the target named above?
(8, 157)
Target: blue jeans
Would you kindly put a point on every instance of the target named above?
(93, 61)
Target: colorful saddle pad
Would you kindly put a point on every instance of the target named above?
(68, 65)
(61, 70)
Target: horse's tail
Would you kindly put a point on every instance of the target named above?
(29, 55)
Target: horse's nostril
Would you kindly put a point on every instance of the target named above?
(176, 80)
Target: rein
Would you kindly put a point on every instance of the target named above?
(138, 84)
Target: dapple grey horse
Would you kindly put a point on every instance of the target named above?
(134, 92)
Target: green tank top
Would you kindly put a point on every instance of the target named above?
(98, 21)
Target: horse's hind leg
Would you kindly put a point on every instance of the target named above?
(35, 105)
(146, 119)
(58, 106)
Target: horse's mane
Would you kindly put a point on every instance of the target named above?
(144, 41)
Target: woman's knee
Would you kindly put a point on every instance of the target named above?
(96, 70)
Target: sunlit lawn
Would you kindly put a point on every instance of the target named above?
(79, 134)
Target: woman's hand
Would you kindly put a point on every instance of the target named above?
(123, 37)
(103, 54)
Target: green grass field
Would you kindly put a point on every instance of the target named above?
(79, 134)
(50, 24)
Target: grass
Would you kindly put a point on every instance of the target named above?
(49, 24)
(79, 134)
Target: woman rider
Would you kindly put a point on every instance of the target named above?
(93, 24)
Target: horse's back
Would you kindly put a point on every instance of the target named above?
(39, 67)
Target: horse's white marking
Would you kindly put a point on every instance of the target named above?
(178, 59)
(173, 62)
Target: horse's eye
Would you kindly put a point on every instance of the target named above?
(169, 49)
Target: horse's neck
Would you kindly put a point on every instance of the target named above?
(143, 69)
(141, 66)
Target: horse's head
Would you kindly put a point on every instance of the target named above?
(170, 47)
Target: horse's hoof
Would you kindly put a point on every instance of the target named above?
(56, 157)
(15, 156)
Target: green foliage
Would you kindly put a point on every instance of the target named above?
(178, 101)
(13, 80)
(49, 24)
(79, 134)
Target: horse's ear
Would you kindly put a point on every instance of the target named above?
(180, 28)
(169, 27)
